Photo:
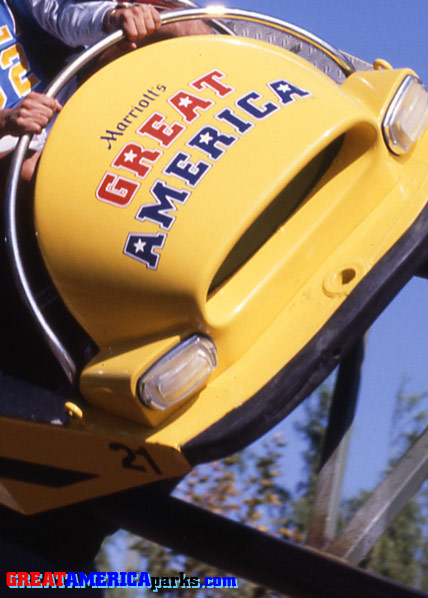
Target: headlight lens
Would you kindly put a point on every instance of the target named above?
(407, 116)
(178, 374)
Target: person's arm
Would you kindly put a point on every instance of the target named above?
(83, 23)
(31, 115)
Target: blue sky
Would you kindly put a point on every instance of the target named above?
(398, 341)
(397, 345)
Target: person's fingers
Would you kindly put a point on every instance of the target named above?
(40, 114)
(29, 122)
(137, 22)
(40, 99)
(130, 25)
(32, 114)
(149, 16)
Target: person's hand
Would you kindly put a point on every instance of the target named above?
(137, 21)
(31, 115)
(184, 29)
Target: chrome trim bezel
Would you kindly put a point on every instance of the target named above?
(390, 114)
(171, 354)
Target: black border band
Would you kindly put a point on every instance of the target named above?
(303, 374)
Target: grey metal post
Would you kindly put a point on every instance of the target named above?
(328, 492)
(384, 504)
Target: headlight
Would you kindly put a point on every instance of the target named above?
(178, 374)
(407, 116)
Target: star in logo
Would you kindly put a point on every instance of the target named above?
(205, 138)
(284, 87)
(185, 102)
(130, 156)
(139, 246)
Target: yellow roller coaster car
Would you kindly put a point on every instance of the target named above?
(223, 221)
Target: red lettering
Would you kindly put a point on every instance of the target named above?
(60, 578)
(23, 578)
(11, 579)
(187, 105)
(48, 580)
(211, 80)
(131, 158)
(35, 579)
(156, 128)
(116, 190)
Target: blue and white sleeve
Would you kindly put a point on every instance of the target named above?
(73, 22)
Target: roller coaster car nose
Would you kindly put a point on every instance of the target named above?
(223, 220)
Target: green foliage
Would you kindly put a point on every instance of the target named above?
(250, 487)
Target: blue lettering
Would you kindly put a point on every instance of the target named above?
(145, 580)
(247, 105)
(72, 580)
(229, 116)
(207, 140)
(87, 580)
(181, 167)
(286, 92)
(142, 248)
(158, 212)
(113, 579)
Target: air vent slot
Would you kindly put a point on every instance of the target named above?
(276, 214)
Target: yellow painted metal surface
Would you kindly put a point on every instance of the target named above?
(157, 168)
(57, 465)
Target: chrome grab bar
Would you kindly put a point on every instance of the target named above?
(12, 235)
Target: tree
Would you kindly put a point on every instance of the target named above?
(401, 552)
(249, 487)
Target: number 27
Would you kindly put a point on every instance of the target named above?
(131, 460)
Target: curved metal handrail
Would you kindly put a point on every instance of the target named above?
(12, 236)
